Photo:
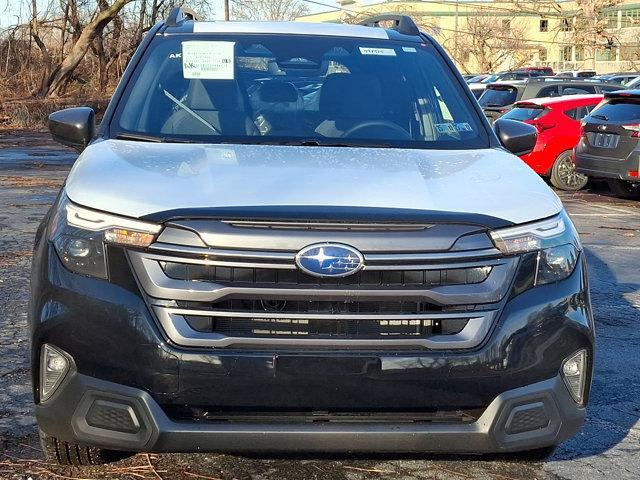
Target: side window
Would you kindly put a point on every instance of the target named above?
(573, 113)
(581, 90)
(548, 92)
(589, 108)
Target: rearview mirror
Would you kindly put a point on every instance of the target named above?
(74, 127)
(517, 137)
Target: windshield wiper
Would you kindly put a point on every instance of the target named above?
(138, 137)
(191, 112)
(329, 143)
(601, 117)
(141, 137)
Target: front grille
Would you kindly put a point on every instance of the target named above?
(324, 328)
(205, 414)
(366, 278)
(258, 306)
(249, 298)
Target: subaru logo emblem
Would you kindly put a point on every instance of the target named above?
(329, 260)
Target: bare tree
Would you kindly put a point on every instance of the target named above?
(268, 9)
(491, 43)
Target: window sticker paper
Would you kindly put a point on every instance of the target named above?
(208, 60)
(385, 52)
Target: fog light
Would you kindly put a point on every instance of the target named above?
(79, 248)
(574, 375)
(54, 365)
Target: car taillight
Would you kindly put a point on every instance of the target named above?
(634, 129)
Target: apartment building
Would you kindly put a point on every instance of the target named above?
(496, 35)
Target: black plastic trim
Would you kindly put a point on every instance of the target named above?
(327, 213)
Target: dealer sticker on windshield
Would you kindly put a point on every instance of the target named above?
(208, 60)
(385, 52)
(453, 128)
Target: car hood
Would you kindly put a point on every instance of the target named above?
(138, 179)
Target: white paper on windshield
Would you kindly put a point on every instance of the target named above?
(385, 52)
(208, 60)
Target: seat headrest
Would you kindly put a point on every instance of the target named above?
(278, 92)
(351, 95)
(217, 95)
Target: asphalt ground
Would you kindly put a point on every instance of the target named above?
(32, 169)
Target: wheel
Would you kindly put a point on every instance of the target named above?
(65, 453)
(564, 175)
(624, 189)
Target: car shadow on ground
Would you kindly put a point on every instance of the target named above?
(614, 404)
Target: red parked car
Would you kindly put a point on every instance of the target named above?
(558, 122)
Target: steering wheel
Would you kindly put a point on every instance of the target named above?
(404, 135)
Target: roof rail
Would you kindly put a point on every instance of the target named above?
(402, 23)
(180, 14)
(563, 79)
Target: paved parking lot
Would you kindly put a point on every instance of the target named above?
(32, 170)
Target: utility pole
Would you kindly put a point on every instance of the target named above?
(226, 10)
(455, 38)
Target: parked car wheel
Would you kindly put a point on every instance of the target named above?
(624, 189)
(564, 175)
(60, 452)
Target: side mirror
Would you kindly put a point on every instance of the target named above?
(517, 137)
(74, 127)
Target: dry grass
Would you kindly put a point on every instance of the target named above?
(32, 113)
(30, 182)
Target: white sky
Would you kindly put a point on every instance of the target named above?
(17, 11)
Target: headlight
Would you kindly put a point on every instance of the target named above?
(79, 236)
(549, 249)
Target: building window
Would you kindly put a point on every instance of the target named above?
(611, 19)
(506, 24)
(542, 54)
(606, 54)
(544, 25)
(566, 53)
(579, 54)
(631, 54)
(566, 25)
(631, 18)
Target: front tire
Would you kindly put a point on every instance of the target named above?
(624, 189)
(564, 175)
(60, 452)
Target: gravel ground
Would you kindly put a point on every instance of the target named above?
(32, 170)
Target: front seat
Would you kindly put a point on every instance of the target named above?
(219, 102)
(347, 99)
(278, 107)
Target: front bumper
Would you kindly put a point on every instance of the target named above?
(608, 167)
(120, 355)
(528, 417)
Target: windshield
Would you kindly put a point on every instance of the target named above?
(618, 110)
(491, 78)
(297, 90)
(523, 114)
(498, 96)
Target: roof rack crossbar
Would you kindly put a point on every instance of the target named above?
(401, 23)
(180, 14)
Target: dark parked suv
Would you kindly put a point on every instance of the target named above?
(609, 147)
(288, 236)
(499, 98)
